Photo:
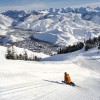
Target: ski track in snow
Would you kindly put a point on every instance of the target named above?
(20, 88)
(51, 89)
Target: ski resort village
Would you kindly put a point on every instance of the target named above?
(49, 53)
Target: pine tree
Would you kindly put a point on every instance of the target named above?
(13, 53)
(8, 55)
(20, 57)
(25, 55)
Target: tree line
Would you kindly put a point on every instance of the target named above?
(11, 54)
(88, 44)
(92, 42)
(72, 48)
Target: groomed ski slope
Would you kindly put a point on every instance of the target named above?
(25, 80)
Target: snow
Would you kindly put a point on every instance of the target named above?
(2, 52)
(52, 36)
(18, 51)
(30, 80)
(5, 23)
(64, 26)
(11, 38)
(4, 20)
(30, 53)
(96, 19)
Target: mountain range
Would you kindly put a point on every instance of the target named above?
(65, 26)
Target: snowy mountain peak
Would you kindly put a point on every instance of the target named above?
(63, 26)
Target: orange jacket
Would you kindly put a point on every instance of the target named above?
(67, 78)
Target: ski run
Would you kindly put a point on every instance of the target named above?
(30, 80)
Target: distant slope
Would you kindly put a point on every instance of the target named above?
(92, 53)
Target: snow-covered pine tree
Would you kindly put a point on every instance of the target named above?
(25, 55)
(11, 53)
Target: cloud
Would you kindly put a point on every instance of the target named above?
(44, 5)
(92, 5)
(36, 6)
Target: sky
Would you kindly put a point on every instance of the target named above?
(42, 4)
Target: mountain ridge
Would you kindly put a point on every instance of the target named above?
(64, 26)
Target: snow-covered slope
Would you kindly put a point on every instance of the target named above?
(30, 53)
(18, 51)
(31, 18)
(19, 15)
(4, 20)
(64, 26)
(20, 80)
(92, 53)
(5, 23)
(10, 39)
(3, 51)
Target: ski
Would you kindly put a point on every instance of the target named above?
(74, 85)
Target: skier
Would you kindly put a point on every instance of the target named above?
(67, 79)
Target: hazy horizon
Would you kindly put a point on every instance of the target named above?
(44, 4)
